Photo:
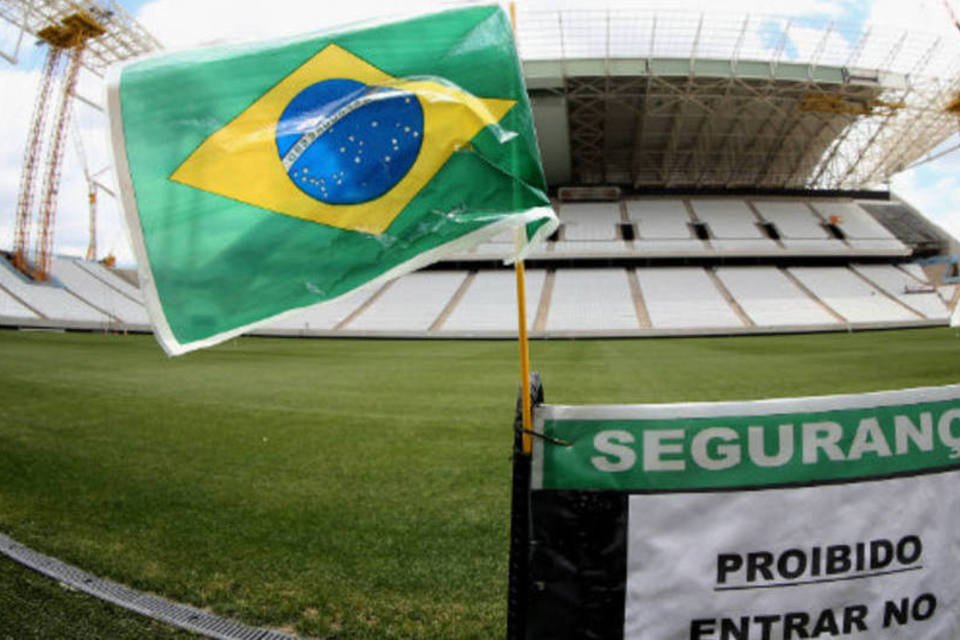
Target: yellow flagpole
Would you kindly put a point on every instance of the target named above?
(525, 405)
(526, 410)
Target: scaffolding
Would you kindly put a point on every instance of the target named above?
(79, 36)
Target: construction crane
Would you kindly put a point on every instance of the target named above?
(830, 103)
(954, 105)
(65, 40)
(94, 186)
(89, 35)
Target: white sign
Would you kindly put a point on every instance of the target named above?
(870, 560)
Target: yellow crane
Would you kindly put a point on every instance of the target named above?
(67, 39)
(94, 187)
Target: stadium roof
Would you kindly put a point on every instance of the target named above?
(714, 101)
(654, 99)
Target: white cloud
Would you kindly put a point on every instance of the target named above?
(934, 189)
(922, 15)
(228, 20)
(19, 88)
(740, 7)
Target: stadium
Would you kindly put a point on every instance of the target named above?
(727, 232)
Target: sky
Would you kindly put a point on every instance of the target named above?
(934, 187)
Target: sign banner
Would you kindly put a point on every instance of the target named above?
(826, 517)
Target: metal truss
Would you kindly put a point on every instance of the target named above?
(660, 131)
(125, 37)
(90, 36)
(666, 99)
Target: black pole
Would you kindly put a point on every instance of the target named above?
(518, 588)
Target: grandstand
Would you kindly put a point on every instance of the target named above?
(764, 265)
(707, 182)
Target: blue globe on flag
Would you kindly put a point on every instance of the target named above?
(346, 142)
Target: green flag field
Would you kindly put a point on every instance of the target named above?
(334, 488)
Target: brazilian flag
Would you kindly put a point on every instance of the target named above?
(261, 179)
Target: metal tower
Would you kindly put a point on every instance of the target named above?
(89, 36)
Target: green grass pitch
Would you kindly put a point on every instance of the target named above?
(338, 488)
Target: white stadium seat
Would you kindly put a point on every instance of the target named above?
(587, 249)
(904, 288)
(850, 296)
(728, 218)
(771, 299)
(811, 247)
(591, 300)
(878, 246)
(852, 219)
(684, 298)
(11, 308)
(590, 213)
(618, 298)
(660, 219)
(109, 277)
(50, 300)
(579, 232)
(490, 302)
(97, 293)
(915, 270)
(793, 219)
(411, 303)
(671, 247)
(746, 247)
